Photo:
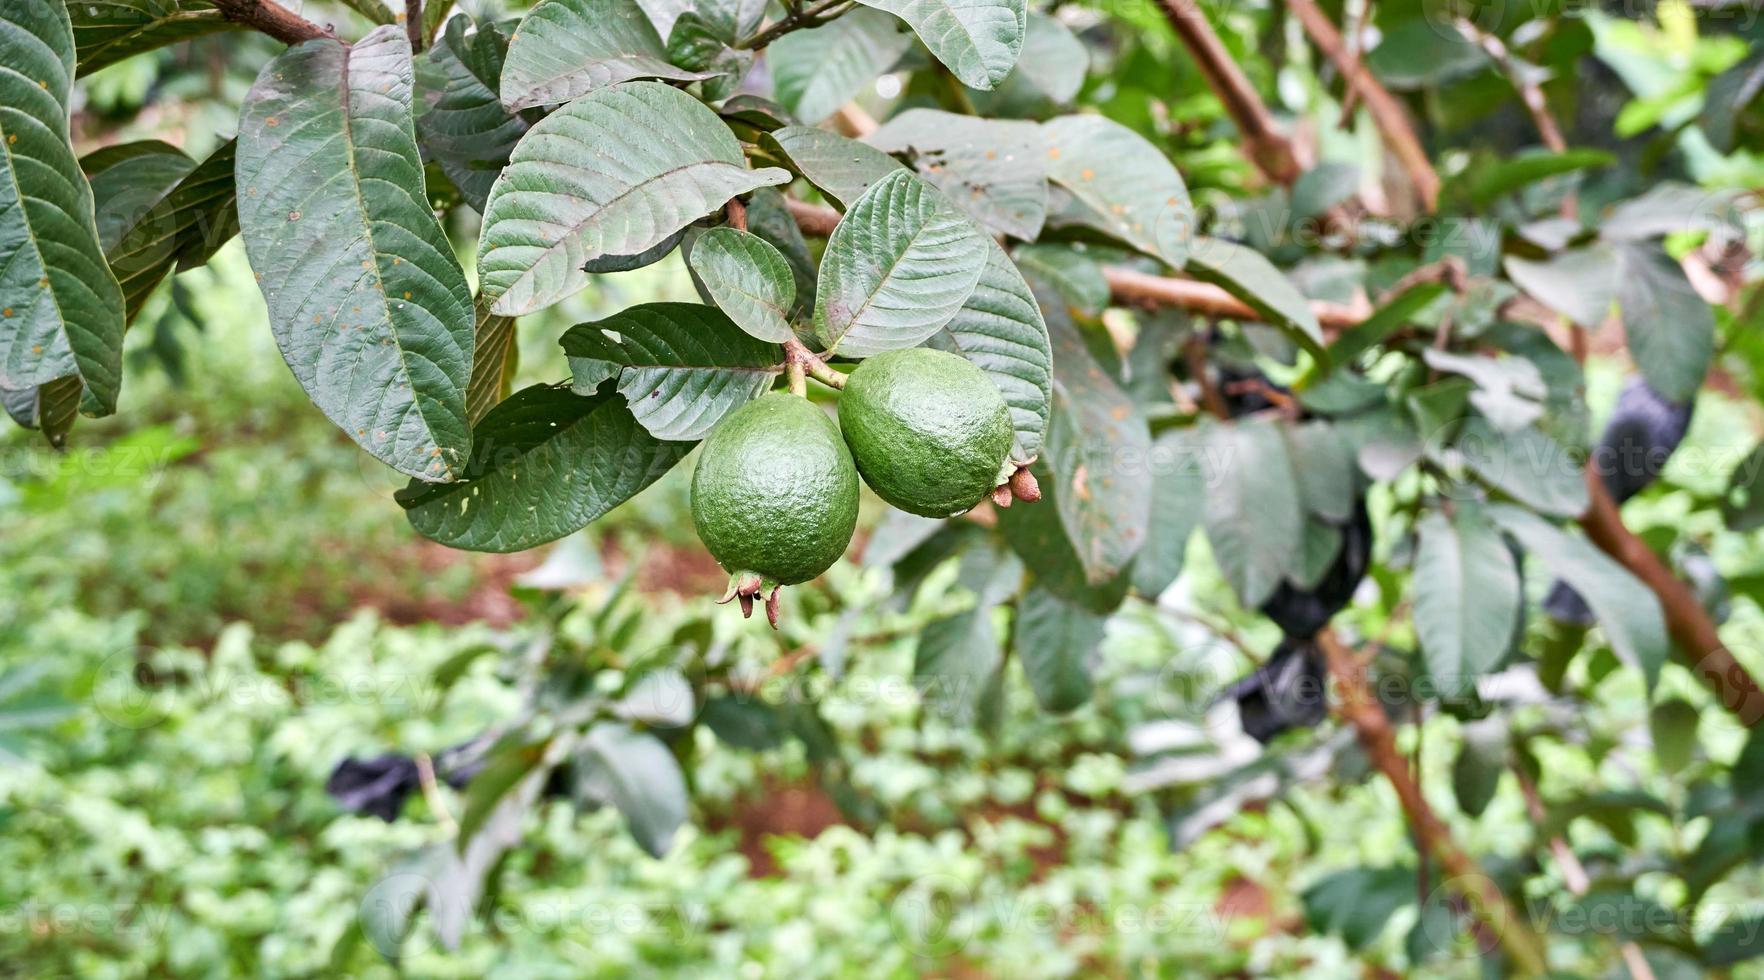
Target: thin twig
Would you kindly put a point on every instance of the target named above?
(1194, 354)
(432, 793)
(1360, 708)
(273, 19)
(1530, 93)
(793, 20)
(413, 24)
(1271, 150)
(1390, 115)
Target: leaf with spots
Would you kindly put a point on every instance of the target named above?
(366, 301)
(994, 169)
(1121, 185)
(900, 264)
(61, 311)
(565, 49)
(682, 366)
(616, 172)
(544, 464)
(978, 40)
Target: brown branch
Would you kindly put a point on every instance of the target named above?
(1360, 708)
(1390, 115)
(1134, 288)
(413, 24)
(273, 19)
(1271, 150)
(1695, 638)
(1194, 354)
(1530, 93)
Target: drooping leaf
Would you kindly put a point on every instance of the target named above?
(958, 657)
(565, 49)
(1099, 447)
(1579, 284)
(50, 408)
(161, 212)
(1254, 515)
(1483, 759)
(1357, 904)
(1000, 328)
(1050, 71)
(1324, 463)
(1423, 51)
(1467, 596)
(842, 168)
(544, 463)
(635, 772)
(492, 351)
(1670, 328)
(1525, 464)
(681, 366)
(749, 280)
(818, 70)
(1628, 612)
(61, 311)
(1076, 275)
(1245, 273)
(615, 172)
(901, 263)
(1038, 536)
(1179, 495)
(1057, 644)
(107, 31)
(465, 127)
(1673, 725)
(1125, 186)
(994, 169)
(368, 304)
(978, 40)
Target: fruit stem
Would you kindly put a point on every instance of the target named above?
(799, 360)
(793, 371)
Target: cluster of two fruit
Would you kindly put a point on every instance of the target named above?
(775, 494)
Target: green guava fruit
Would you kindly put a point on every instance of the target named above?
(928, 429)
(775, 496)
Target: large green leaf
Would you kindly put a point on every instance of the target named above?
(565, 49)
(544, 463)
(1628, 612)
(635, 772)
(107, 31)
(1525, 464)
(958, 657)
(818, 70)
(462, 122)
(1057, 644)
(615, 172)
(682, 366)
(1245, 273)
(366, 301)
(1358, 903)
(1099, 447)
(842, 168)
(1125, 186)
(898, 267)
(157, 212)
(61, 311)
(1254, 516)
(1579, 284)
(1050, 71)
(1467, 596)
(1000, 328)
(748, 279)
(1179, 497)
(978, 40)
(1670, 328)
(994, 169)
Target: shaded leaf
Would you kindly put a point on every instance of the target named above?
(898, 267)
(635, 772)
(1673, 725)
(1670, 328)
(159, 228)
(1526, 465)
(1358, 903)
(958, 657)
(615, 172)
(842, 168)
(681, 366)
(544, 464)
(749, 280)
(492, 352)
(565, 49)
(1179, 495)
(818, 70)
(61, 311)
(1076, 275)
(107, 31)
(1057, 643)
(1467, 597)
(996, 170)
(1254, 516)
(462, 123)
(1244, 273)
(367, 303)
(978, 40)
(1579, 284)
(1483, 758)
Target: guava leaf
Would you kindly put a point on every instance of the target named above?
(1579, 284)
(161, 211)
(1628, 612)
(615, 172)
(635, 772)
(50, 407)
(961, 655)
(769, 218)
(842, 168)
(1179, 495)
(564, 49)
(818, 70)
(493, 347)
(1126, 187)
(544, 463)
(1076, 275)
(994, 169)
(1057, 644)
(1467, 596)
(1246, 274)
(900, 264)
(463, 124)
(1325, 464)
(1525, 464)
(1670, 328)
(681, 366)
(61, 311)
(749, 280)
(1254, 514)
(366, 301)
(1000, 329)
(107, 31)
(1050, 71)
(978, 40)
